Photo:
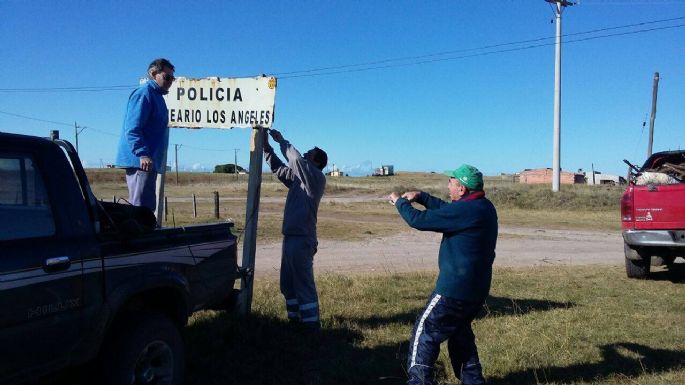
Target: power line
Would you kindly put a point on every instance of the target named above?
(469, 49)
(206, 149)
(57, 123)
(71, 89)
(100, 131)
(36, 119)
(405, 61)
(471, 55)
(103, 132)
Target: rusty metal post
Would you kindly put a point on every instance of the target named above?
(166, 210)
(194, 206)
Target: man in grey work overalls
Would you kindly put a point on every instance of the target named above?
(306, 183)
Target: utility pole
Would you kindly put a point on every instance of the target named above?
(558, 6)
(235, 162)
(176, 147)
(77, 132)
(655, 90)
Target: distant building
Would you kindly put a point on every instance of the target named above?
(600, 178)
(385, 170)
(335, 172)
(544, 175)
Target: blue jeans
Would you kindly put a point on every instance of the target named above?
(142, 188)
(445, 319)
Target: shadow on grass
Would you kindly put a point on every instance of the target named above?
(261, 350)
(221, 349)
(622, 359)
(674, 273)
(502, 306)
(493, 307)
(266, 350)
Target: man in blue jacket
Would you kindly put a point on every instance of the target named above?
(306, 184)
(467, 250)
(145, 135)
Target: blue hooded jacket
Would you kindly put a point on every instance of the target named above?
(145, 131)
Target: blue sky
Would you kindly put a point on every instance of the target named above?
(492, 108)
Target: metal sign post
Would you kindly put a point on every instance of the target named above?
(228, 103)
(251, 216)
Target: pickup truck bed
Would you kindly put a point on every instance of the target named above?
(653, 214)
(83, 280)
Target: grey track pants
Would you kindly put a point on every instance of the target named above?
(142, 187)
(297, 279)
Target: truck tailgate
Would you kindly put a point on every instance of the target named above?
(659, 206)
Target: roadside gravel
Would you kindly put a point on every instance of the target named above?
(417, 251)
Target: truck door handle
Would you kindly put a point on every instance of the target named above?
(57, 263)
(652, 188)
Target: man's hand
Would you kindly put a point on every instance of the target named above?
(411, 196)
(393, 197)
(145, 163)
(276, 135)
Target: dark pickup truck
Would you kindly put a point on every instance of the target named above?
(84, 281)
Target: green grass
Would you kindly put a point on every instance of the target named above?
(569, 325)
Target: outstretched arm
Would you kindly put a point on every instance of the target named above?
(282, 172)
(287, 149)
(445, 219)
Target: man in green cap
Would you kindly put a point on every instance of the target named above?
(467, 250)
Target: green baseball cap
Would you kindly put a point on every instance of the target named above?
(468, 176)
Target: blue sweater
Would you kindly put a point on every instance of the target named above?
(145, 131)
(467, 249)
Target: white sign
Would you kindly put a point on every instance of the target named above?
(221, 102)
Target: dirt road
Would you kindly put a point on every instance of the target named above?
(414, 250)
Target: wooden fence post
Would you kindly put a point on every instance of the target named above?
(216, 204)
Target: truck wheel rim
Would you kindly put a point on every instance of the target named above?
(155, 365)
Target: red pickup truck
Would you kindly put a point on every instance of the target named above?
(653, 214)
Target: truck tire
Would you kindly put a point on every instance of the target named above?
(145, 349)
(637, 264)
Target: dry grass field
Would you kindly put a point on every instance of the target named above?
(548, 325)
(356, 208)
